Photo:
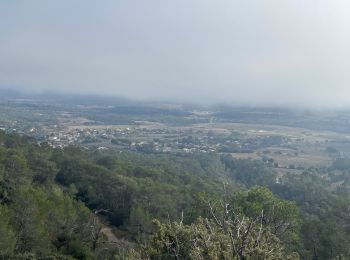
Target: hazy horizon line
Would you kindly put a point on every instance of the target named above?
(37, 93)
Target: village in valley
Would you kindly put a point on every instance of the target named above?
(283, 147)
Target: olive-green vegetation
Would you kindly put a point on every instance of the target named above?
(74, 203)
(247, 225)
(322, 196)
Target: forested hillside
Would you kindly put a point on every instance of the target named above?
(75, 203)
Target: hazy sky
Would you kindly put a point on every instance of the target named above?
(247, 51)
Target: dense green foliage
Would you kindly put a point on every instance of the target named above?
(253, 225)
(57, 202)
(75, 203)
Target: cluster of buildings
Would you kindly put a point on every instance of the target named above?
(150, 140)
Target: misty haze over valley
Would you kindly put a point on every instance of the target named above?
(246, 53)
(158, 130)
